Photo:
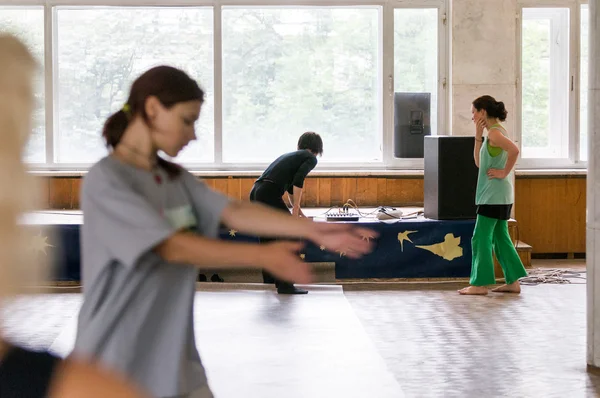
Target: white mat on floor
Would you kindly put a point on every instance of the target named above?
(255, 343)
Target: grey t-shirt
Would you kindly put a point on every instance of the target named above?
(137, 315)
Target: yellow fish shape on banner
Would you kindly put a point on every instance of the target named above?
(449, 249)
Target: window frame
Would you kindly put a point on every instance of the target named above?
(52, 148)
(389, 77)
(219, 164)
(386, 74)
(573, 160)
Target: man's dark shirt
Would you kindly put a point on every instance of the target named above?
(290, 170)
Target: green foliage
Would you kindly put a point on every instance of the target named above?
(286, 71)
(101, 51)
(536, 83)
(416, 55)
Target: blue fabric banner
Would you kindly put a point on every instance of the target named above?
(419, 248)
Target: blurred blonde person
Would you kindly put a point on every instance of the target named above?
(25, 373)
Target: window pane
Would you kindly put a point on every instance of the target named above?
(27, 23)
(545, 71)
(416, 56)
(291, 70)
(585, 64)
(100, 53)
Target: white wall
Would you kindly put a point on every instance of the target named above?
(483, 58)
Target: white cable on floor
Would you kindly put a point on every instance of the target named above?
(553, 276)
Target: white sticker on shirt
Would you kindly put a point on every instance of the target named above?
(181, 217)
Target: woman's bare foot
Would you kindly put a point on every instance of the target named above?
(514, 287)
(474, 291)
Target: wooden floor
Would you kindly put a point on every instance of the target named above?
(578, 264)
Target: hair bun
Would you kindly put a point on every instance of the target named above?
(501, 112)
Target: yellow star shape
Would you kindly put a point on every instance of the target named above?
(402, 236)
(322, 247)
(39, 244)
(232, 232)
(302, 256)
(367, 237)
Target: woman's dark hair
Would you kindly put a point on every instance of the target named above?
(169, 85)
(311, 141)
(491, 106)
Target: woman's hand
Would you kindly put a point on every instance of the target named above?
(497, 173)
(282, 259)
(354, 242)
(479, 127)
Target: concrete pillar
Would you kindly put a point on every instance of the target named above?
(593, 192)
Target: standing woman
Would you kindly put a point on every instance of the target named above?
(25, 373)
(148, 225)
(495, 156)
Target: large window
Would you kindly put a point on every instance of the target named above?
(100, 52)
(27, 23)
(290, 70)
(584, 70)
(545, 83)
(554, 84)
(415, 66)
(273, 72)
(270, 73)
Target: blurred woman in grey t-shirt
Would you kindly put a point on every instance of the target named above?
(148, 223)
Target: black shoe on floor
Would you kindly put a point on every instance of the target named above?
(201, 278)
(290, 289)
(268, 278)
(216, 278)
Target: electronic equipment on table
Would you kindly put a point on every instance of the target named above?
(343, 214)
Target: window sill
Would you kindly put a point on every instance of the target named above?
(255, 173)
(375, 173)
(551, 173)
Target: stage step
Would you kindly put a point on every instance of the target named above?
(524, 251)
(324, 272)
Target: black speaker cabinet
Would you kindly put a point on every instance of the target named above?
(450, 178)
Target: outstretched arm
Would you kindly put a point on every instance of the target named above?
(280, 258)
(260, 220)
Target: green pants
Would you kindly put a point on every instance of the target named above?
(489, 234)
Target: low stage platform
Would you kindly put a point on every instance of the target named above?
(411, 247)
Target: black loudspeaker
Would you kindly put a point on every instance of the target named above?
(412, 122)
(450, 178)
